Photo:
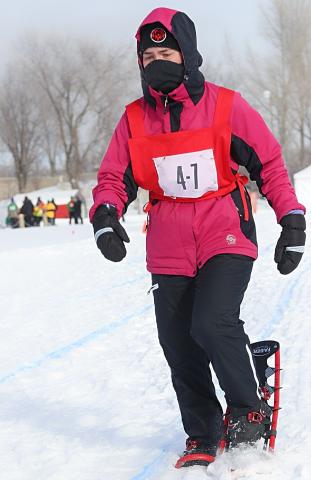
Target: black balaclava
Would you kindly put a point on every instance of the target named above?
(162, 75)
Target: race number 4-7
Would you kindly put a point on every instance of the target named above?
(187, 175)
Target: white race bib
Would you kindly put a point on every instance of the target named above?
(187, 174)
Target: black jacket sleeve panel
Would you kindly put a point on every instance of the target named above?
(255, 147)
(245, 156)
(130, 185)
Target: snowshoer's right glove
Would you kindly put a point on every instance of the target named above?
(290, 246)
(109, 233)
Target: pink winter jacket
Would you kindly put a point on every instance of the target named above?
(181, 237)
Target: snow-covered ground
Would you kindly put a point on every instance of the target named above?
(85, 392)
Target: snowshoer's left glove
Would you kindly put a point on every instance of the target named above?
(290, 246)
(109, 233)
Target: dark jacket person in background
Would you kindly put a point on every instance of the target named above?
(27, 211)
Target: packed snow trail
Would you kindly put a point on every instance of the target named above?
(85, 391)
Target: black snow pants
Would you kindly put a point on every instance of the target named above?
(198, 324)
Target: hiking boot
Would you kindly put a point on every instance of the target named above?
(196, 453)
(246, 426)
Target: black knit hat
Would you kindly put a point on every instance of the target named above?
(156, 35)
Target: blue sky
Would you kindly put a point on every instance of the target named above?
(115, 22)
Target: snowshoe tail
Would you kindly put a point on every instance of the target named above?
(261, 352)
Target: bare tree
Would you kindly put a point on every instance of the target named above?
(301, 102)
(19, 121)
(49, 141)
(228, 71)
(82, 83)
(280, 83)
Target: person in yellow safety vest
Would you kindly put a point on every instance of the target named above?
(50, 212)
(38, 212)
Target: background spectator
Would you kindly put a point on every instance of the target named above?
(77, 210)
(50, 212)
(12, 217)
(38, 212)
(27, 211)
(71, 209)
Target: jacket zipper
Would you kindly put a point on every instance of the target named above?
(165, 103)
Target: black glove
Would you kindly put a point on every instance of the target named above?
(109, 233)
(290, 246)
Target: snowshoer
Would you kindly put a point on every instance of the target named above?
(184, 141)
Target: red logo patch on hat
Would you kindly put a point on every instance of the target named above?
(158, 35)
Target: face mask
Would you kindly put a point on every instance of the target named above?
(164, 76)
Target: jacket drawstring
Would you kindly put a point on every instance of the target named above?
(243, 198)
(147, 207)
